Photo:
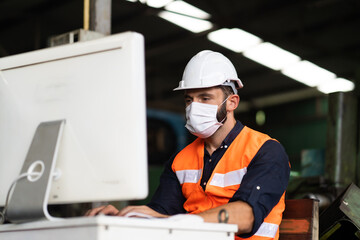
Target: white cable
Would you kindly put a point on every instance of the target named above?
(3, 213)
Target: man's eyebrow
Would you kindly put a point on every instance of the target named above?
(206, 95)
(200, 95)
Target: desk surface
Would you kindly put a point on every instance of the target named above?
(106, 227)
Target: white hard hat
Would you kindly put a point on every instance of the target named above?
(209, 69)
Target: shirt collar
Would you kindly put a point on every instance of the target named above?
(232, 134)
(230, 137)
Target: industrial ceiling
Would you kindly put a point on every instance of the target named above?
(324, 32)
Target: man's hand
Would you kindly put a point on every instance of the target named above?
(141, 209)
(106, 210)
(113, 211)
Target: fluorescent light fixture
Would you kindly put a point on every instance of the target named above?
(271, 56)
(192, 24)
(131, 0)
(157, 3)
(336, 85)
(308, 73)
(187, 9)
(234, 39)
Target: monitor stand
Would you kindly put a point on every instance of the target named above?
(30, 196)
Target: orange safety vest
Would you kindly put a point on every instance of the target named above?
(225, 179)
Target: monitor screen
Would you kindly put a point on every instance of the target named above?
(98, 88)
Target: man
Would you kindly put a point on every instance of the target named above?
(229, 171)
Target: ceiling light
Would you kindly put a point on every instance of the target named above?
(308, 73)
(157, 3)
(336, 85)
(187, 9)
(271, 56)
(234, 39)
(131, 0)
(192, 24)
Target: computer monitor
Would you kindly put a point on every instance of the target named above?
(83, 104)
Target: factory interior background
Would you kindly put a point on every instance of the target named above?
(316, 123)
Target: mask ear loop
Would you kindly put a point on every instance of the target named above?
(224, 101)
(219, 106)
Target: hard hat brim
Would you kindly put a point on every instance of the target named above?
(237, 82)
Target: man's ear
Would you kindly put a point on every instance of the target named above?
(232, 102)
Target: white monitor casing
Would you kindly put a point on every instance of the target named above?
(98, 87)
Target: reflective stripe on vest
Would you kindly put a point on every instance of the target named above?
(267, 230)
(219, 180)
(228, 179)
(188, 176)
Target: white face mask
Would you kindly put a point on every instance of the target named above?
(201, 119)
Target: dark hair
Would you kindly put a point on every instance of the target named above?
(227, 90)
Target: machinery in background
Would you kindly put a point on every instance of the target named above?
(342, 219)
(167, 135)
(310, 182)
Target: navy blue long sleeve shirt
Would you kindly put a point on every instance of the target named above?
(262, 186)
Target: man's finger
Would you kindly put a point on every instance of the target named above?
(109, 210)
(125, 210)
(106, 210)
(94, 211)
